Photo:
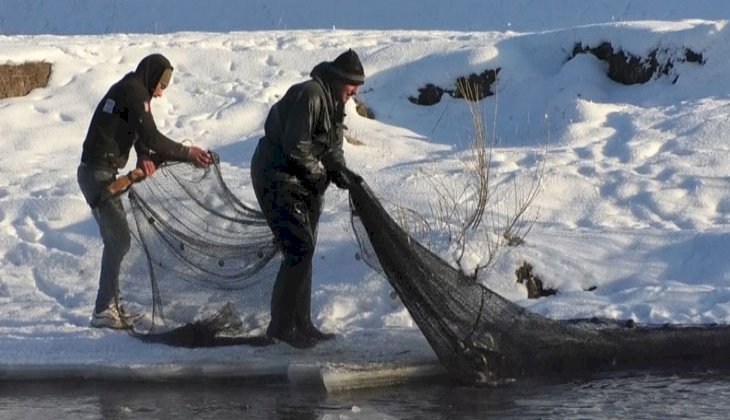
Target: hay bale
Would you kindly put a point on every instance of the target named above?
(20, 79)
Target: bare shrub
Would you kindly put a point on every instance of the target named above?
(479, 85)
(20, 79)
(460, 210)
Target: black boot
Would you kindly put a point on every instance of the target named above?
(315, 334)
(293, 337)
(302, 316)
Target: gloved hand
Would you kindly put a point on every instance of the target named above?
(316, 182)
(344, 180)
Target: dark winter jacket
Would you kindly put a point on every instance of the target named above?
(303, 133)
(123, 119)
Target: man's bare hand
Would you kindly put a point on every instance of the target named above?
(200, 158)
(147, 165)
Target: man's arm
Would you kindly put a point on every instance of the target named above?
(297, 138)
(154, 147)
(150, 139)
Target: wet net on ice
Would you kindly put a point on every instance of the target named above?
(211, 259)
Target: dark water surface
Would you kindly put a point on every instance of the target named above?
(696, 394)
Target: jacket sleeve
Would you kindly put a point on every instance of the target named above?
(150, 139)
(334, 160)
(297, 137)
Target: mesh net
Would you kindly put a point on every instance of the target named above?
(211, 259)
(482, 338)
(211, 262)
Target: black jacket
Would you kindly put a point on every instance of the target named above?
(303, 133)
(123, 119)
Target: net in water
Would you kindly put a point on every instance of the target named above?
(482, 338)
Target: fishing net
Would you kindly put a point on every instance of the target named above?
(209, 264)
(482, 338)
(211, 260)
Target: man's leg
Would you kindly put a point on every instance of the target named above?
(111, 219)
(303, 316)
(115, 233)
(287, 215)
(298, 248)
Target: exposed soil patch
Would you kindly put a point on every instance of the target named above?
(362, 109)
(428, 95)
(473, 87)
(623, 68)
(19, 79)
(629, 69)
(533, 283)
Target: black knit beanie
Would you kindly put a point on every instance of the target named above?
(348, 68)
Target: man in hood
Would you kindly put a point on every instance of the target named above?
(122, 120)
(291, 168)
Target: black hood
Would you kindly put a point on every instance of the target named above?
(321, 72)
(150, 70)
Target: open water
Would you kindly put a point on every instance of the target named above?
(665, 394)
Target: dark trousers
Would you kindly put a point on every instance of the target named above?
(293, 213)
(113, 227)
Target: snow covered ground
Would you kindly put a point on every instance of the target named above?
(632, 218)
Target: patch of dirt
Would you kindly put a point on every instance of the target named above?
(353, 140)
(629, 69)
(473, 87)
(362, 109)
(623, 67)
(533, 283)
(20, 79)
(428, 95)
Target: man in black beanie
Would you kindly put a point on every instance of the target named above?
(291, 168)
(122, 120)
